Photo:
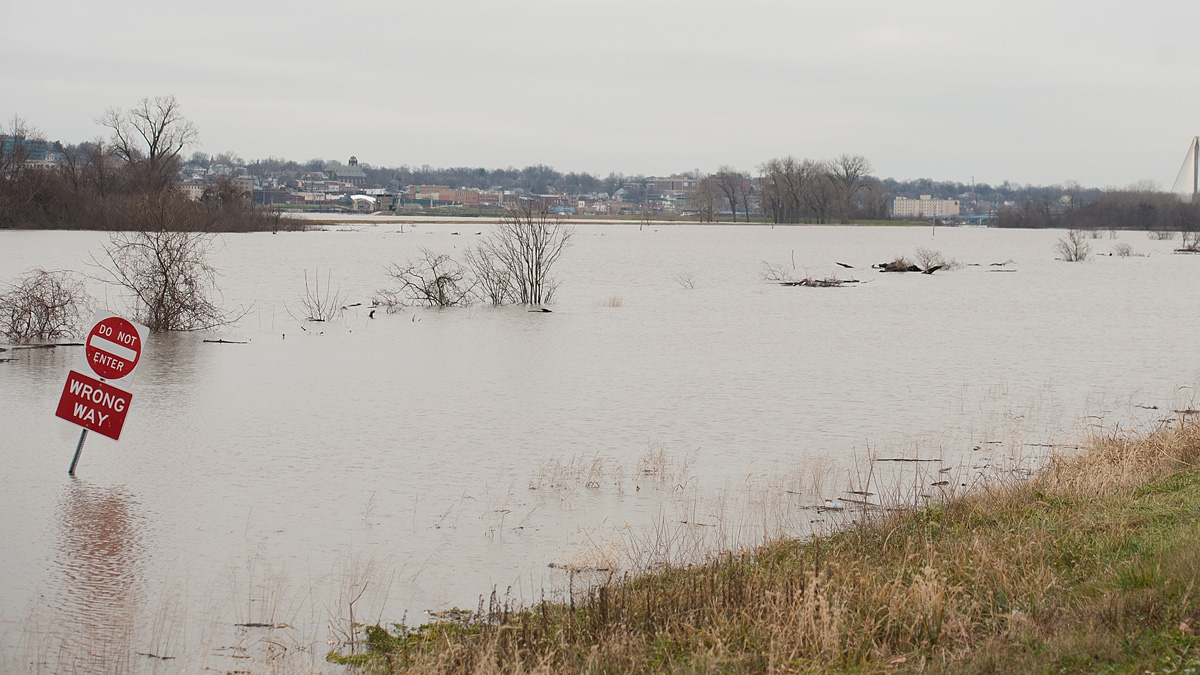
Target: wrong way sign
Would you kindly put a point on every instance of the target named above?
(112, 351)
(94, 405)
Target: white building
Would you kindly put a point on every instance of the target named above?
(925, 207)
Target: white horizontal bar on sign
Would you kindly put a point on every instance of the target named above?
(119, 351)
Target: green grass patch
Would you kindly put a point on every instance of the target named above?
(1091, 566)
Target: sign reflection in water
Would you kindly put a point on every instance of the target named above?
(97, 555)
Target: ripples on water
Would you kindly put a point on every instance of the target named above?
(425, 457)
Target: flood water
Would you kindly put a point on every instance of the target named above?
(672, 403)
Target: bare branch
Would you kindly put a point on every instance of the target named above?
(165, 268)
(42, 306)
(527, 243)
(434, 280)
(149, 137)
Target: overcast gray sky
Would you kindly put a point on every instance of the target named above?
(1105, 93)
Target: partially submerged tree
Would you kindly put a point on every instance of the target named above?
(527, 244)
(42, 306)
(929, 260)
(321, 304)
(434, 280)
(493, 282)
(1073, 247)
(512, 265)
(1191, 241)
(774, 272)
(164, 268)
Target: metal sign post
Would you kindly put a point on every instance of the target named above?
(78, 450)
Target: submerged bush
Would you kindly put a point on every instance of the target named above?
(1073, 247)
(43, 305)
(164, 268)
(433, 280)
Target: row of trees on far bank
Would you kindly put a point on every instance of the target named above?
(808, 191)
(1129, 209)
(108, 182)
(790, 190)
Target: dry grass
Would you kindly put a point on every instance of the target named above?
(612, 301)
(1088, 565)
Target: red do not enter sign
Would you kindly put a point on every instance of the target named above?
(113, 348)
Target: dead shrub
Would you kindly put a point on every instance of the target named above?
(321, 304)
(43, 306)
(164, 268)
(774, 272)
(1073, 247)
(433, 280)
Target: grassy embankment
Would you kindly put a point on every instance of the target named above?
(1090, 566)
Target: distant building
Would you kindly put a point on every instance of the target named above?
(925, 207)
(352, 173)
(364, 203)
(193, 190)
(386, 202)
(33, 153)
(680, 185)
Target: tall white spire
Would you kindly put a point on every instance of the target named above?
(1187, 183)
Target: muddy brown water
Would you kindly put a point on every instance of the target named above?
(426, 457)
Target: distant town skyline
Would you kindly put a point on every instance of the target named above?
(1033, 93)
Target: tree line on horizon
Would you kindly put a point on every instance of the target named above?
(123, 180)
(104, 182)
(791, 190)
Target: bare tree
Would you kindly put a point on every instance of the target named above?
(23, 186)
(776, 191)
(164, 268)
(321, 304)
(527, 244)
(929, 260)
(874, 203)
(735, 186)
(819, 191)
(784, 186)
(149, 137)
(43, 305)
(703, 199)
(774, 272)
(493, 282)
(1073, 247)
(849, 174)
(90, 168)
(16, 146)
(685, 279)
(434, 280)
(1190, 241)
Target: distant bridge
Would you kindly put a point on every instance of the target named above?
(1188, 180)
